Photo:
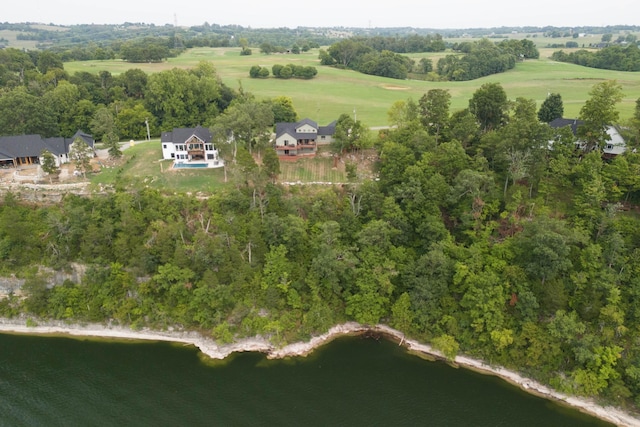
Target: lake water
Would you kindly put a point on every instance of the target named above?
(46, 381)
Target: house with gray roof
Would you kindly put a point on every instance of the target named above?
(302, 138)
(20, 150)
(613, 147)
(190, 148)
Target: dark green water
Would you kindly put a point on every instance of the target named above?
(351, 382)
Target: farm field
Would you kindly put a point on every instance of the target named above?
(334, 91)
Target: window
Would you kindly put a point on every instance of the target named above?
(208, 147)
(209, 156)
(173, 156)
(321, 136)
(609, 147)
(164, 145)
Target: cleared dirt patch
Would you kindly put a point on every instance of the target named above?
(393, 87)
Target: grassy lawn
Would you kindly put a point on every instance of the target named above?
(333, 91)
(142, 163)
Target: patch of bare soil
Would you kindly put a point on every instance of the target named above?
(394, 87)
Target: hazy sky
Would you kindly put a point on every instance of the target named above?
(325, 13)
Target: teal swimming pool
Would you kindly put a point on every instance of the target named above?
(190, 165)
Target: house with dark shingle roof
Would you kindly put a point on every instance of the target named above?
(18, 150)
(614, 146)
(190, 147)
(302, 138)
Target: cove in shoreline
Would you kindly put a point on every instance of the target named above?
(259, 344)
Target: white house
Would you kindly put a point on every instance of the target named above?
(615, 145)
(190, 148)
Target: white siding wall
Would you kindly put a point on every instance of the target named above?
(167, 149)
(306, 128)
(285, 139)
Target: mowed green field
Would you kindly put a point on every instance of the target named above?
(333, 91)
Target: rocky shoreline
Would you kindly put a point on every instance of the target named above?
(210, 348)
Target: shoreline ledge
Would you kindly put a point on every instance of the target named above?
(209, 347)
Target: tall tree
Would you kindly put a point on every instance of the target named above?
(434, 111)
(49, 165)
(113, 145)
(489, 104)
(551, 108)
(181, 98)
(247, 123)
(599, 112)
(103, 123)
(635, 123)
(283, 110)
(62, 100)
(48, 60)
(464, 127)
(134, 81)
(131, 122)
(81, 155)
(347, 51)
(350, 135)
(271, 164)
(403, 114)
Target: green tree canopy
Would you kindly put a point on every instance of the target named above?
(24, 113)
(489, 104)
(599, 112)
(552, 108)
(434, 111)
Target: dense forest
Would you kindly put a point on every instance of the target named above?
(478, 235)
(37, 96)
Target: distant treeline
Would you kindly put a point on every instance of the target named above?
(471, 60)
(484, 58)
(408, 44)
(96, 42)
(615, 57)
